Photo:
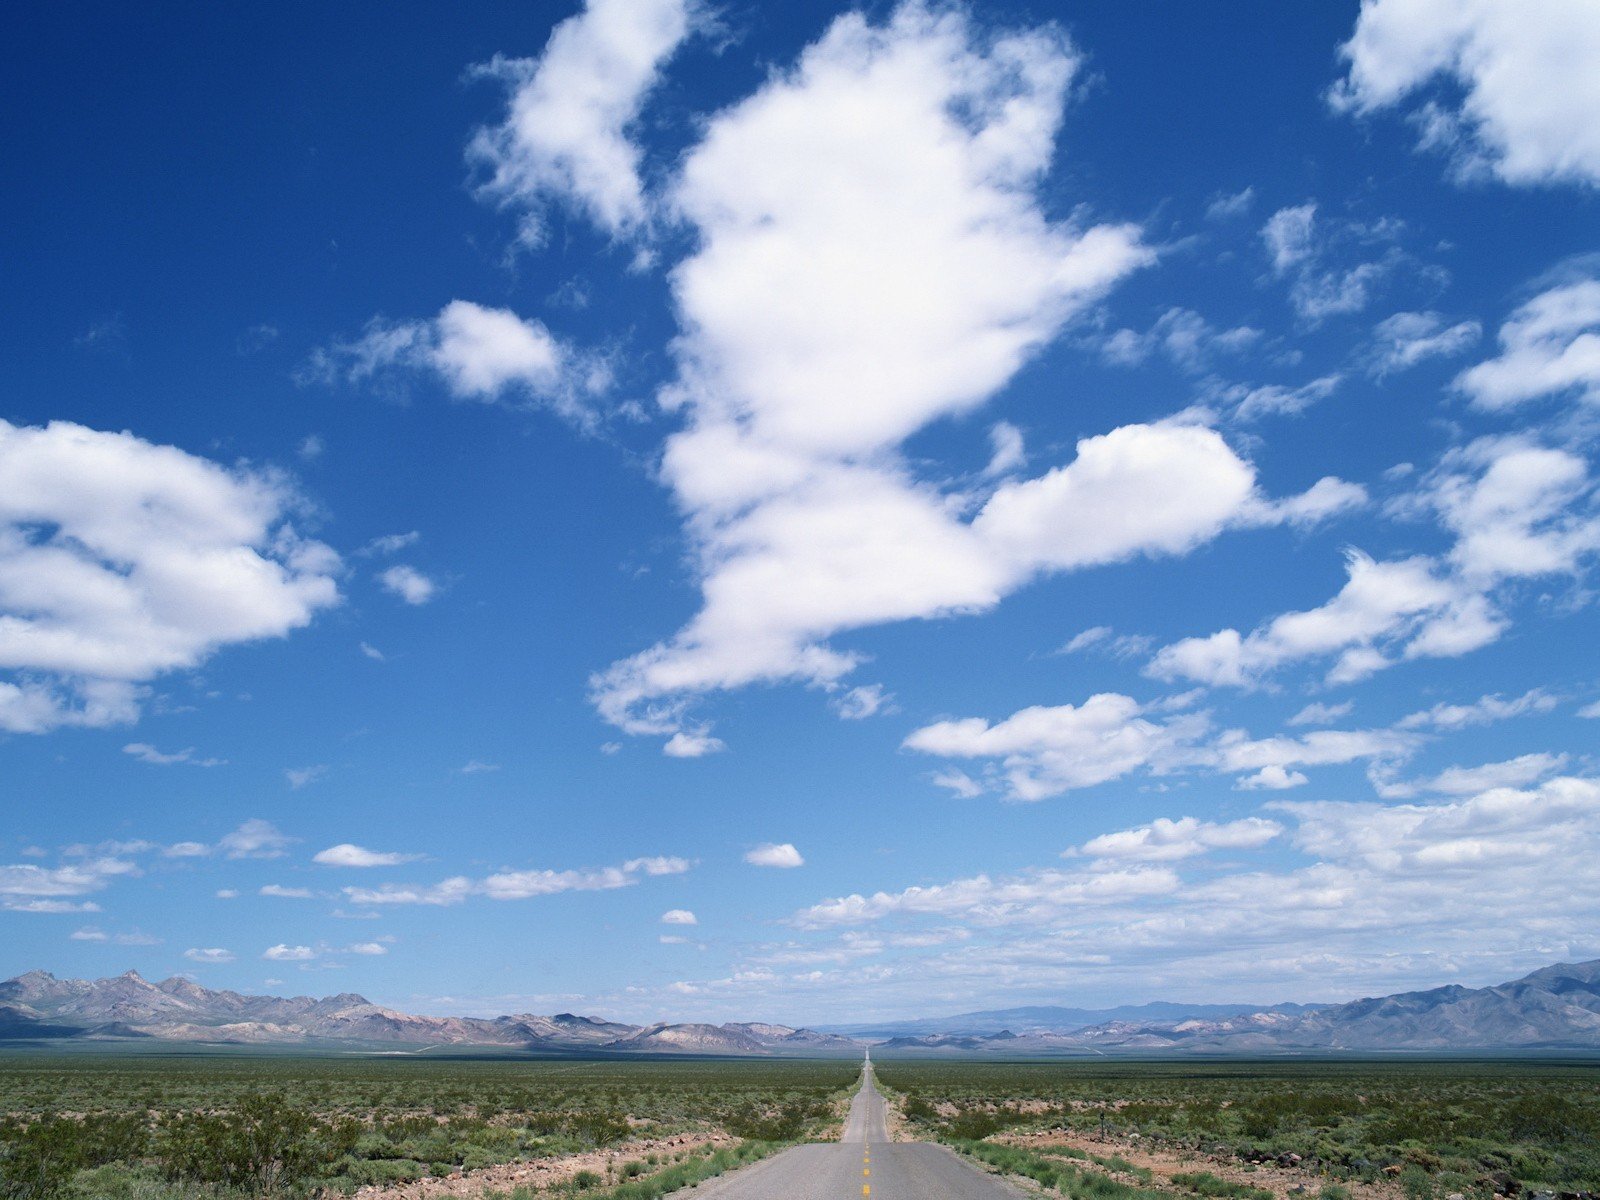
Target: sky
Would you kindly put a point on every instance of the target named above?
(687, 510)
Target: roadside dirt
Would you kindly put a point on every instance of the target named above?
(547, 1172)
(1163, 1164)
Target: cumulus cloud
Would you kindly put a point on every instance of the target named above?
(1048, 750)
(1550, 346)
(774, 854)
(1354, 909)
(21, 881)
(679, 916)
(519, 885)
(1043, 751)
(872, 258)
(346, 854)
(1528, 76)
(565, 136)
(367, 949)
(410, 584)
(1166, 840)
(281, 892)
(122, 560)
(1517, 510)
(284, 953)
(692, 744)
(476, 353)
(214, 954)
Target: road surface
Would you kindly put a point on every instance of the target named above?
(864, 1163)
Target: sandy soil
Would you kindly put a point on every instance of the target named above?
(1165, 1163)
(546, 1172)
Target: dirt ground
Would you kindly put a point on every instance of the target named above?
(546, 1172)
(1164, 1163)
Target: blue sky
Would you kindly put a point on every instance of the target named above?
(809, 513)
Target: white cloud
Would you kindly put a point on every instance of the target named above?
(1529, 75)
(484, 354)
(147, 753)
(1322, 714)
(958, 783)
(982, 901)
(92, 934)
(1089, 638)
(476, 766)
(692, 744)
(1376, 897)
(566, 132)
(390, 543)
(774, 854)
(1299, 246)
(1550, 346)
(227, 893)
(187, 850)
(11, 904)
(1483, 711)
(372, 652)
(299, 777)
(1183, 335)
(1403, 340)
(1590, 711)
(1044, 751)
(519, 885)
(1466, 781)
(122, 560)
(1245, 403)
(1234, 205)
(410, 584)
(1289, 236)
(213, 955)
(1008, 452)
(71, 879)
(1166, 840)
(369, 949)
(346, 854)
(679, 916)
(1048, 750)
(869, 261)
(255, 839)
(284, 953)
(1272, 778)
(286, 893)
(859, 703)
(1327, 498)
(1377, 602)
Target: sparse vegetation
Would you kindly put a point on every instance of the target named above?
(1431, 1128)
(198, 1127)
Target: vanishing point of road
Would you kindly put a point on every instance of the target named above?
(864, 1163)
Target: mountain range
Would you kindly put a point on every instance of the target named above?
(1556, 1008)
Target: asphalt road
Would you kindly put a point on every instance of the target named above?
(863, 1164)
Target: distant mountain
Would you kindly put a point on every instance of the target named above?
(1553, 1009)
(1056, 1019)
(38, 1006)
